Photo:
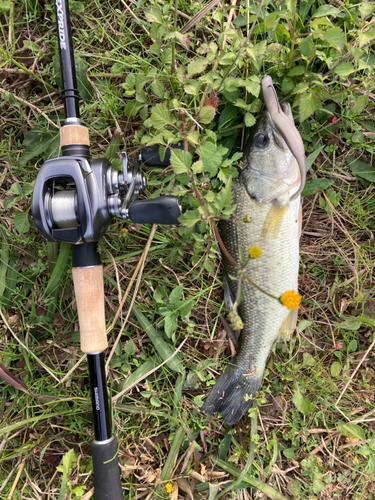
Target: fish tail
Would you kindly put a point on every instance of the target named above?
(233, 393)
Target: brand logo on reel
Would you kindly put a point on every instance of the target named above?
(60, 23)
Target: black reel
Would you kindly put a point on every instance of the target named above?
(74, 199)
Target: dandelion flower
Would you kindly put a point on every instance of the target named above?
(169, 487)
(290, 299)
(124, 230)
(254, 252)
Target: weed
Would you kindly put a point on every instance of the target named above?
(145, 80)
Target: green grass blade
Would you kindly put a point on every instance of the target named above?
(160, 345)
(263, 487)
(59, 269)
(4, 261)
(167, 471)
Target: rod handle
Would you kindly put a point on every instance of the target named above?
(162, 210)
(89, 291)
(107, 483)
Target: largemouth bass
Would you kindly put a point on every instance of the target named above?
(267, 217)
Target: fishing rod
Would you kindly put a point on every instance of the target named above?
(74, 200)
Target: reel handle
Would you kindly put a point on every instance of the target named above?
(163, 210)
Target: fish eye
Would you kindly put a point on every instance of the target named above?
(262, 141)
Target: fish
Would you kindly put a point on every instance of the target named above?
(267, 217)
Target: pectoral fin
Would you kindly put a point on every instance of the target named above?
(288, 326)
(272, 222)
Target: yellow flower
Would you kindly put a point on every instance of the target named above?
(169, 487)
(124, 230)
(254, 252)
(290, 299)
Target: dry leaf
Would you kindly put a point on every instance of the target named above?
(8, 377)
(212, 100)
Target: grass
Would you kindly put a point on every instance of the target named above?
(311, 436)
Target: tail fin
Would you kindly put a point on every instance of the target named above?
(233, 394)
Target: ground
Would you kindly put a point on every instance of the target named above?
(147, 76)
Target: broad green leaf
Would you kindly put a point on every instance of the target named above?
(308, 360)
(291, 6)
(154, 15)
(158, 88)
(67, 460)
(355, 430)
(129, 348)
(140, 81)
(176, 294)
(326, 10)
(312, 157)
(113, 147)
(365, 9)
(155, 401)
(249, 120)
(83, 85)
(302, 403)
(352, 346)
(206, 114)
(307, 47)
(369, 126)
(180, 161)
(315, 185)
(191, 87)
(5, 5)
(15, 188)
(160, 117)
(336, 368)
(308, 104)
(21, 222)
(212, 488)
(344, 69)
(29, 44)
(352, 324)
(224, 197)
(190, 218)
(297, 70)
(197, 66)
(58, 270)
(38, 142)
(170, 324)
(335, 37)
(305, 323)
(359, 105)
(252, 85)
(365, 37)
(228, 114)
(210, 157)
(361, 169)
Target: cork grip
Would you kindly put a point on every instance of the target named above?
(74, 134)
(89, 290)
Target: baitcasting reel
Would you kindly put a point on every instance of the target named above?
(75, 199)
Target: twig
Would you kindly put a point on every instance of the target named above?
(32, 106)
(135, 17)
(138, 270)
(17, 478)
(355, 371)
(26, 348)
(118, 396)
(65, 377)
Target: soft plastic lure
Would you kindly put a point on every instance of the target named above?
(286, 129)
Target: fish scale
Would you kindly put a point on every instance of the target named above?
(262, 191)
